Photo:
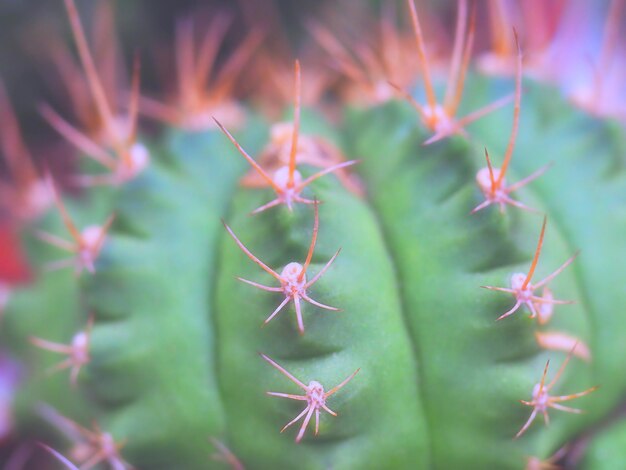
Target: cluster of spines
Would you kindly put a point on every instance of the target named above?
(287, 181)
(494, 189)
(111, 142)
(491, 182)
(87, 244)
(288, 184)
(114, 145)
(440, 118)
(292, 279)
(540, 306)
(193, 104)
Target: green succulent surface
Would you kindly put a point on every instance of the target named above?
(176, 341)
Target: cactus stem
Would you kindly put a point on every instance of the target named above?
(292, 279)
(315, 397)
(541, 400)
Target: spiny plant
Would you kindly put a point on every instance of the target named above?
(168, 362)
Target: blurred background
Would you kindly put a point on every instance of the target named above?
(31, 29)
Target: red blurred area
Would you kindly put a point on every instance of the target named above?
(14, 267)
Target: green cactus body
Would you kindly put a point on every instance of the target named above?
(52, 309)
(174, 351)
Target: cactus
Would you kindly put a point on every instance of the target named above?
(213, 287)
